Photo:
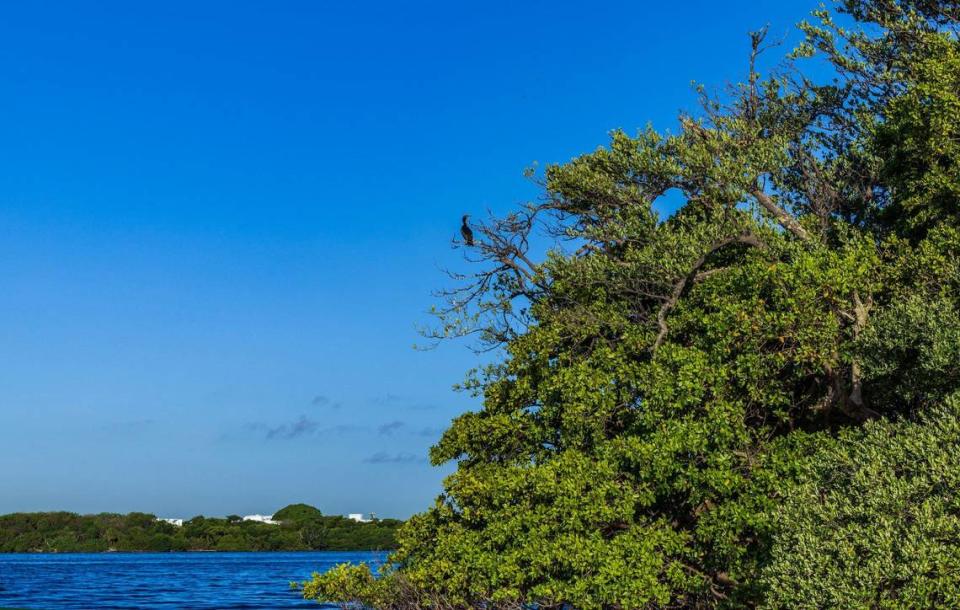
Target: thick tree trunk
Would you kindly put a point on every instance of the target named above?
(858, 406)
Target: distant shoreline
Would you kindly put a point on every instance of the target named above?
(211, 551)
(295, 528)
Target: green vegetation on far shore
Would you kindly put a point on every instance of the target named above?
(301, 528)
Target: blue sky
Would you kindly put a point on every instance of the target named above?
(221, 222)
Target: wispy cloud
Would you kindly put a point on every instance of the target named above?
(388, 399)
(342, 429)
(382, 457)
(389, 428)
(402, 402)
(325, 401)
(430, 431)
(303, 426)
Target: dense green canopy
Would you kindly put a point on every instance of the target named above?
(667, 382)
(875, 522)
(296, 513)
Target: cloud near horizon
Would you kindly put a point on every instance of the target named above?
(402, 402)
(301, 427)
(388, 399)
(382, 457)
(305, 426)
(128, 427)
(389, 428)
(325, 401)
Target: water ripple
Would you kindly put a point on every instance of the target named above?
(142, 581)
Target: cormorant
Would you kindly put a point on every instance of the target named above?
(466, 231)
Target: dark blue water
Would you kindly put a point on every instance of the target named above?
(163, 580)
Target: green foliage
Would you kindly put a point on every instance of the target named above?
(345, 584)
(297, 513)
(304, 529)
(665, 383)
(355, 586)
(875, 521)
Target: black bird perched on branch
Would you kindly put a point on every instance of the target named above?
(466, 231)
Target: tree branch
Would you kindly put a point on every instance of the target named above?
(787, 221)
(692, 276)
(860, 409)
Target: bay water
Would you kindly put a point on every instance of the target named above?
(188, 581)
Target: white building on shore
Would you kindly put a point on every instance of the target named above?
(359, 518)
(268, 519)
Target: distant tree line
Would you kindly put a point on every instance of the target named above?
(301, 528)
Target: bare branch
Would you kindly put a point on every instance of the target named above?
(691, 277)
(785, 220)
(860, 410)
